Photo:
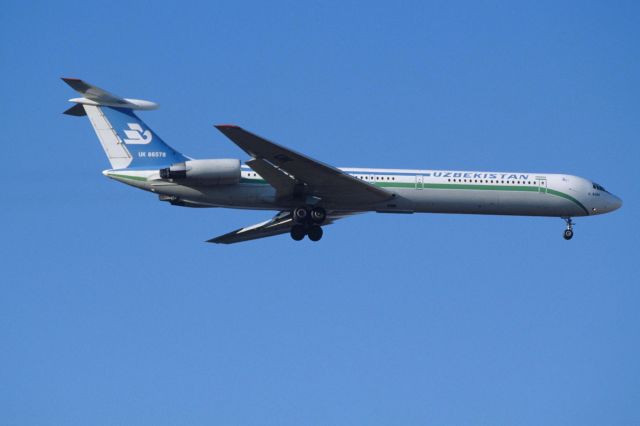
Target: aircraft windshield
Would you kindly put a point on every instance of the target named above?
(599, 187)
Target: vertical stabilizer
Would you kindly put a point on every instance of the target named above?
(127, 141)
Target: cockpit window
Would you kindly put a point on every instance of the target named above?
(598, 187)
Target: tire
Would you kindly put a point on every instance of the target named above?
(568, 234)
(318, 214)
(298, 232)
(315, 233)
(300, 214)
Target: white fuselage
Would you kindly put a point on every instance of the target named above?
(424, 191)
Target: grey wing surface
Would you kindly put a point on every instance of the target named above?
(92, 92)
(290, 172)
(281, 223)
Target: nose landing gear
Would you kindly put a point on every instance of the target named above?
(568, 233)
(307, 222)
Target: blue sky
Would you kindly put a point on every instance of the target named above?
(114, 311)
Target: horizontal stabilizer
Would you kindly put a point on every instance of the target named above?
(77, 110)
(92, 95)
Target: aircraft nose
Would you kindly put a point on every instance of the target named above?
(615, 203)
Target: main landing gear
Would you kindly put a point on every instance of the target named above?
(568, 233)
(307, 222)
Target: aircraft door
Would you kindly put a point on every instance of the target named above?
(542, 186)
(419, 182)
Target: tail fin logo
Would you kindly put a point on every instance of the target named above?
(136, 136)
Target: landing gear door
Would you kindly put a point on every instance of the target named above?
(419, 182)
(542, 185)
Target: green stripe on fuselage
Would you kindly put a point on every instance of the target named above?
(249, 180)
(532, 188)
(426, 185)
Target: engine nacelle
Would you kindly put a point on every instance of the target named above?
(219, 171)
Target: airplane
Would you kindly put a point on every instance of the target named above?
(308, 194)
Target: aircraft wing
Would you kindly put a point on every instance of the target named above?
(284, 184)
(285, 169)
(281, 223)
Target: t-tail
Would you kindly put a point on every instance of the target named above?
(125, 138)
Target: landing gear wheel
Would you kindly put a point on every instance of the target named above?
(568, 233)
(298, 232)
(318, 214)
(300, 214)
(314, 232)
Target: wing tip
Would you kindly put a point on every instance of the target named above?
(226, 126)
(213, 240)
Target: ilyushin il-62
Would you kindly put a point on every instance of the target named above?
(307, 194)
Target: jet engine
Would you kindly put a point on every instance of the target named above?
(219, 171)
